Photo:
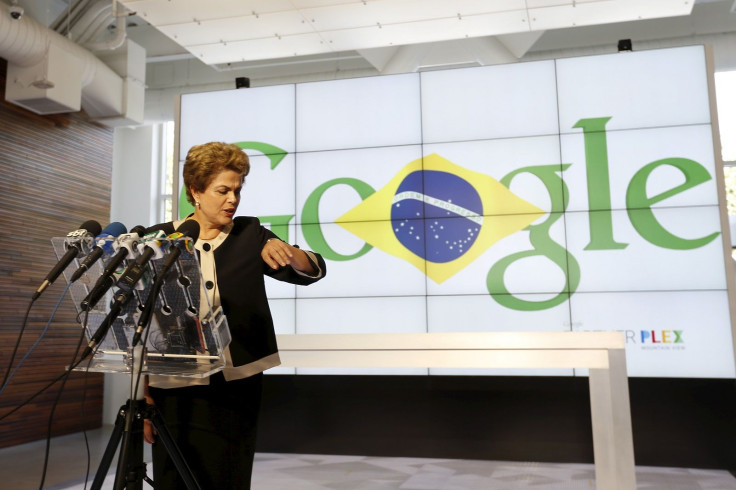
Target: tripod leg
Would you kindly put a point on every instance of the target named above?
(112, 446)
(131, 467)
(171, 448)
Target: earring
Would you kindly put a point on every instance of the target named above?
(196, 203)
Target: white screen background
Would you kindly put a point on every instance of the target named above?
(495, 121)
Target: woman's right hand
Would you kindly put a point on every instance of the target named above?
(149, 431)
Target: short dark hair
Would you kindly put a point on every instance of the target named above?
(205, 161)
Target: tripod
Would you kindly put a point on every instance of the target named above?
(131, 470)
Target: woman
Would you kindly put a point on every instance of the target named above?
(213, 420)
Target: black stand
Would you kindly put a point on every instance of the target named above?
(131, 471)
(181, 315)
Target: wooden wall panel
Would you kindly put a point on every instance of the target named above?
(55, 174)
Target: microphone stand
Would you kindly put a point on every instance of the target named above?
(128, 429)
(131, 469)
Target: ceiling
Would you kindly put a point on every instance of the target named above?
(282, 38)
(249, 30)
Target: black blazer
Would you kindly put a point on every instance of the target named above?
(240, 271)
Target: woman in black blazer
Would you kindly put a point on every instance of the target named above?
(213, 420)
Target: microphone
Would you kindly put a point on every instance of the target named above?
(126, 284)
(190, 228)
(126, 245)
(74, 246)
(112, 230)
(149, 249)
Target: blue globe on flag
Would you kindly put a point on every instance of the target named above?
(453, 210)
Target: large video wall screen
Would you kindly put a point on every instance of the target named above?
(564, 195)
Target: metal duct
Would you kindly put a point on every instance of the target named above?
(93, 20)
(48, 74)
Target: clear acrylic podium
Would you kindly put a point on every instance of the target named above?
(184, 337)
(181, 340)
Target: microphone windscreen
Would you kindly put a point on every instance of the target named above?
(92, 227)
(114, 229)
(165, 227)
(139, 230)
(189, 228)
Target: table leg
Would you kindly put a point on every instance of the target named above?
(613, 444)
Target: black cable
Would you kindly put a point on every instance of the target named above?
(152, 296)
(86, 445)
(84, 403)
(17, 345)
(11, 372)
(51, 383)
(136, 385)
(33, 397)
(84, 397)
(65, 377)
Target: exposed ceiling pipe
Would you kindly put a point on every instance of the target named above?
(94, 20)
(27, 44)
(74, 11)
(120, 31)
(22, 42)
(91, 21)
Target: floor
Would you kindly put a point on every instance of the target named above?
(21, 468)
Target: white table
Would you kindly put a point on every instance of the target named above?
(603, 353)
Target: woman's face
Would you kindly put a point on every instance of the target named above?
(219, 201)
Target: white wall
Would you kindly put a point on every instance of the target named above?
(134, 181)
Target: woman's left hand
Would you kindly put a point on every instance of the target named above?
(277, 253)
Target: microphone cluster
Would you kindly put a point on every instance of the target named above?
(132, 250)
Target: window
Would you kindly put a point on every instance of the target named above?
(166, 172)
(726, 101)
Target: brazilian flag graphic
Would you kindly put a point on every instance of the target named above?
(438, 216)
